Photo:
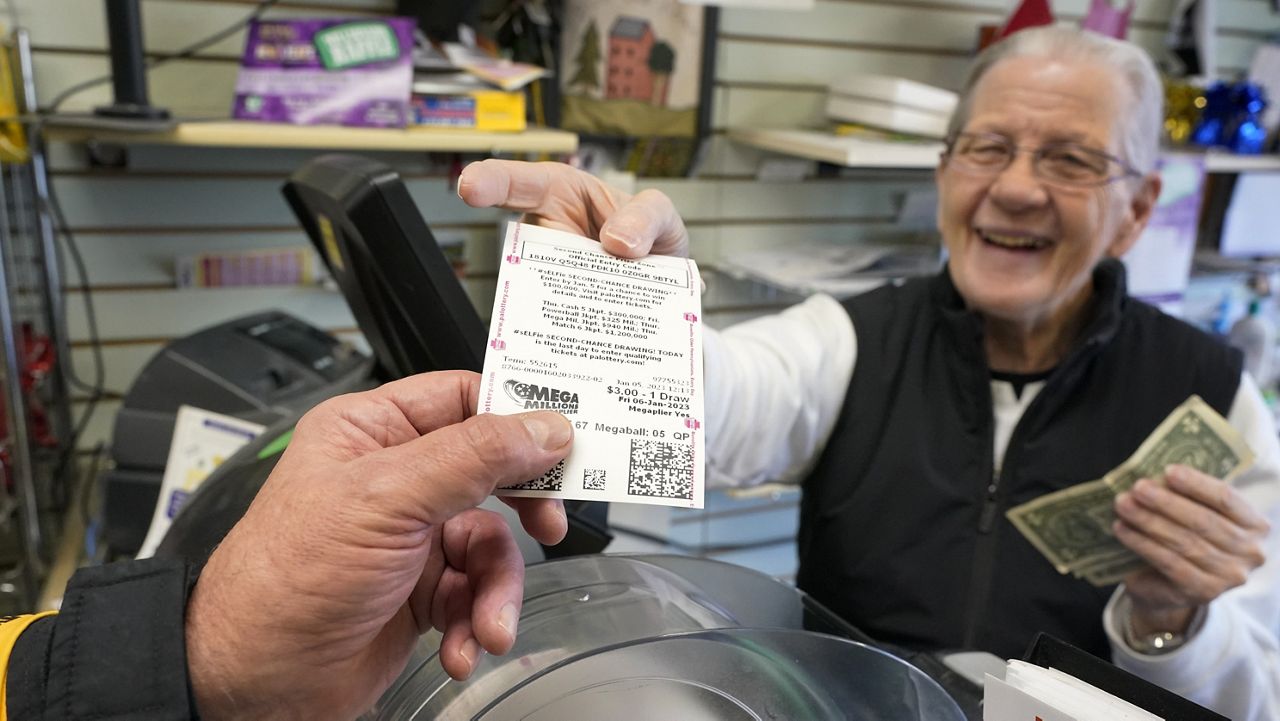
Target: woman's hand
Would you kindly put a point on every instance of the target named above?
(555, 195)
(1199, 535)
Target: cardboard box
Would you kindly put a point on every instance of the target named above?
(493, 110)
(327, 71)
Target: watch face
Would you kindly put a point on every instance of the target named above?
(1154, 644)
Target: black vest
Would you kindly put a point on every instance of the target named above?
(902, 529)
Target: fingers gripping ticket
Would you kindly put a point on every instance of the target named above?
(556, 196)
(454, 468)
(550, 194)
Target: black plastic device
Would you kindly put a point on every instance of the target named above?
(402, 290)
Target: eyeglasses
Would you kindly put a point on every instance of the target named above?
(1065, 164)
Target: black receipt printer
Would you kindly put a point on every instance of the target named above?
(261, 368)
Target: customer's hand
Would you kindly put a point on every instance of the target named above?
(365, 536)
(1201, 538)
(558, 196)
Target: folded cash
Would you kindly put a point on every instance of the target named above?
(1072, 527)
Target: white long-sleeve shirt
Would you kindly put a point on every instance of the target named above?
(793, 368)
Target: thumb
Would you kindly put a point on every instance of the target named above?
(451, 469)
(646, 224)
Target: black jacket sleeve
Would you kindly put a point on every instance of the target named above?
(116, 650)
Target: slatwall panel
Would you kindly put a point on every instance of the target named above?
(174, 201)
(772, 69)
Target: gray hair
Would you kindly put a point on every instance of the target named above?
(1140, 143)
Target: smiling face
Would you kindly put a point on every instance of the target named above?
(1022, 250)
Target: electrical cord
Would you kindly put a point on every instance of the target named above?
(96, 389)
(88, 485)
(91, 316)
(192, 49)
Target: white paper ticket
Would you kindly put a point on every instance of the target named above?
(616, 346)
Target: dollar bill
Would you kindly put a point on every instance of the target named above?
(1192, 435)
(1112, 570)
(1072, 527)
(1067, 526)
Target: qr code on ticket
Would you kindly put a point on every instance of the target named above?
(593, 479)
(662, 470)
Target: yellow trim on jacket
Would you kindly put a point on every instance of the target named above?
(10, 630)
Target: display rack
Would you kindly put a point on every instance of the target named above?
(37, 436)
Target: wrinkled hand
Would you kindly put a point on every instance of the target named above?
(557, 196)
(365, 536)
(1199, 535)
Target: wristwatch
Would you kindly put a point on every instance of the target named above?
(1156, 643)
(1153, 644)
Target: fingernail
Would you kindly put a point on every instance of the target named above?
(508, 618)
(626, 236)
(549, 430)
(470, 650)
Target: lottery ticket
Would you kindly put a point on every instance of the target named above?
(616, 346)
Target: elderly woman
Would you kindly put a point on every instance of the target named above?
(916, 415)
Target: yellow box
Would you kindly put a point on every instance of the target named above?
(494, 110)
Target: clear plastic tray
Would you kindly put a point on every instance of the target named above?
(632, 637)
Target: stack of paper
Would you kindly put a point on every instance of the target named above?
(1029, 691)
(465, 67)
(461, 87)
(889, 103)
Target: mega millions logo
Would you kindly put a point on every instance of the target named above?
(535, 397)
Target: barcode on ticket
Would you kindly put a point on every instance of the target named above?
(552, 480)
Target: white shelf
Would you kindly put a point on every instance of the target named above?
(862, 153)
(1227, 163)
(840, 149)
(241, 134)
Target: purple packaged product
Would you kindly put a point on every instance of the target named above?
(311, 72)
